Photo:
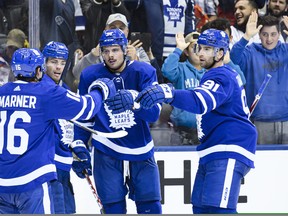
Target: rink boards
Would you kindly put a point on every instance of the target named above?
(264, 189)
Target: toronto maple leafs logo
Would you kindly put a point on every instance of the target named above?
(122, 120)
(174, 12)
(67, 129)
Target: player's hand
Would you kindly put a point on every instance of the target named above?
(152, 95)
(106, 85)
(122, 101)
(83, 160)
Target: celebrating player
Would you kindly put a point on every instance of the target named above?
(56, 55)
(128, 162)
(28, 109)
(228, 138)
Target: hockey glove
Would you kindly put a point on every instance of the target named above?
(105, 85)
(122, 101)
(152, 95)
(83, 160)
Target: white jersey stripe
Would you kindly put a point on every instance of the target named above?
(83, 108)
(121, 149)
(227, 148)
(209, 93)
(46, 199)
(201, 98)
(92, 107)
(21, 180)
(227, 183)
(64, 160)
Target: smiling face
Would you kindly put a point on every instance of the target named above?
(269, 36)
(243, 10)
(54, 68)
(277, 7)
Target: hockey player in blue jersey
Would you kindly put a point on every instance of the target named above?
(123, 164)
(56, 55)
(227, 136)
(28, 109)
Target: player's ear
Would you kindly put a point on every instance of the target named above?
(39, 73)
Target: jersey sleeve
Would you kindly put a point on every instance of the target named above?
(212, 92)
(65, 104)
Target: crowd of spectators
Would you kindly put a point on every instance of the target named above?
(79, 23)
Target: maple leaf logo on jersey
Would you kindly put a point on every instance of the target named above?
(122, 120)
(199, 128)
(67, 129)
(173, 12)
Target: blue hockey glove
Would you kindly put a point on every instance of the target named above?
(105, 85)
(152, 95)
(122, 101)
(83, 160)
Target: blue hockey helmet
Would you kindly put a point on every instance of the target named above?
(55, 50)
(25, 61)
(113, 37)
(215, 38)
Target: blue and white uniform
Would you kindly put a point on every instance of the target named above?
(137, 147)
(27, 141)
(228, 138)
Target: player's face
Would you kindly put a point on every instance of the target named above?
(113, 56)
(269, 37)
(242, 12)
(206, 56)
(54, 68)
(277, 7)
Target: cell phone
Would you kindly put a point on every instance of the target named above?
(144, 37)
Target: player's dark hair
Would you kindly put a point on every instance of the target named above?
(269, 20)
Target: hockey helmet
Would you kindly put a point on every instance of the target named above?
(55, 50)
(214, 38)
(25, 61)
(113, 37)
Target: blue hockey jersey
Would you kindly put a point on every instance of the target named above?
(64, 135)
(138, 144)
(27, 137)
(223, 124)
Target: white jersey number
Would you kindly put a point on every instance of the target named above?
(10, 132)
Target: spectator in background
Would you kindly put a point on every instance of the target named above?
(278, 8)
(16, 39)
(4, 71)
(178, 17)
(96, 13)
(256, 61)
(242, 11)
(134, 50)
(184, 75)
(209, 7)
(147, 16)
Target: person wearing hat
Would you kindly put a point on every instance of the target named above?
(182, 68)
(134, 50)
(16, 39)
(96, 13)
